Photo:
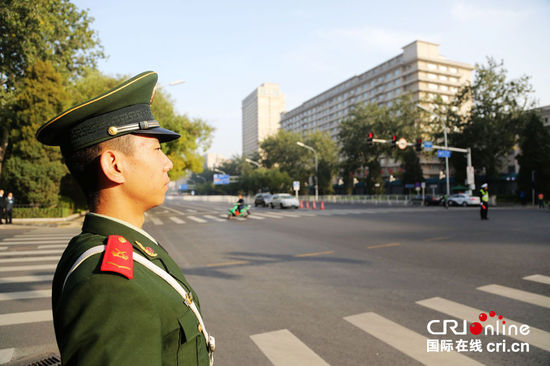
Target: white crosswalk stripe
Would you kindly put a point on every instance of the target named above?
(268, 215)
(405, 340)
(177, 220)
(536, 337)
(538, 278)
(210, 217)
(6, 355)
(35, 294)
(26, 317)
(34, 242)
(516, 294)
(52, 246)
(26, 279)
(282, 348)
(34, 267)
(27, 252)
(255, 217)
(29, 259)
(196, 219)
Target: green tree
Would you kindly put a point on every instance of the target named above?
(401, 119)
(34, 171)
(412, 172)
(48, 30)
(281, 150)
(486, 116)
(534, 143)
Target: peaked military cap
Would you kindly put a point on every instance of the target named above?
(122, 110)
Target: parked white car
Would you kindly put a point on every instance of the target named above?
(284, 200)
(463, 199)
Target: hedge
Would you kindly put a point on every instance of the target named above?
(37, 212)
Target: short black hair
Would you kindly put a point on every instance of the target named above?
(85, 167)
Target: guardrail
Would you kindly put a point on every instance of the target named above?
(387, 199)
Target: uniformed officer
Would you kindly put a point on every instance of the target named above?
(118, 298)
(484, 201)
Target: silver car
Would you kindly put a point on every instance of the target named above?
(462, 199)
(284, 200)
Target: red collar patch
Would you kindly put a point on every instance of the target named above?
(118, 257)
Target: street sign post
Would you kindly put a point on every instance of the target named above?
(428, 145)
(221, 179)
(296, 187)
(443, 153)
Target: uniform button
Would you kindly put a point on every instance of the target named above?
(200, 328)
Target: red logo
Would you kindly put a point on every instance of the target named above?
(476, 327)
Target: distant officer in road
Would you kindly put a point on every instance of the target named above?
(9, 201)
(484, 201)
(118, 298)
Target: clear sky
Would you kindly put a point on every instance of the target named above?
(225, 49)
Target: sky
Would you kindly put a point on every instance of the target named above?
(225, 49)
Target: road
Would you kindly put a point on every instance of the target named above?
(350, 285)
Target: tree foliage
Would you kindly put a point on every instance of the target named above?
(401, 119)
(34, 171)
(486, 116)
(55, 31)
(534, 144)
(281, 151)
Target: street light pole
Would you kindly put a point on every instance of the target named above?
(446, 147)
(299, 143)
(253, 162)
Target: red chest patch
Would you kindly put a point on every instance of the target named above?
(118, 257)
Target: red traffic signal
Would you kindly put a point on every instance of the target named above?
(418, 145)
(370, 136)
(393, 139)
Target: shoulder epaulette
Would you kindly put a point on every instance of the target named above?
(118, 256)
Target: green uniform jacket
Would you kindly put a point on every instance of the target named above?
(103, 318)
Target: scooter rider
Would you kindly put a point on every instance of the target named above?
(240, 203)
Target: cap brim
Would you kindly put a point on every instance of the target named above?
(162, 134)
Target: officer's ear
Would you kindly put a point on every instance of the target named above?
(112, 165)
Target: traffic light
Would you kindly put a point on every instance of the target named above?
(418, 145)
(370, 136)
(394, 140)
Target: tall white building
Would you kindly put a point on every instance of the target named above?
(213, 160)
(261, 112)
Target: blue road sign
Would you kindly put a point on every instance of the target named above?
(443, 153)
(409, 185)
(221, 179)
(428, 145)
(183, 187)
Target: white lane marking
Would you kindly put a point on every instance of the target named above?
(3, 248)
(174, 210)
(156, 221)
(190, 210)
(196, 219)
(177, 220)
(26, 317)
(516, 294)
(405, 340)
(268, 215)
(536, 337)
(25, 279)
(6, 355)
(538, 278)
(283, 348)
(39, 267)
(26, 252)
(52, 246)
(214, 218)
(41, 237)
(34, 242)
(29, 259)
(36, 294)
(255, 217)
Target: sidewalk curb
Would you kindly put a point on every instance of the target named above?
(44, 221)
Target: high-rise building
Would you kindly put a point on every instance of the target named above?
(419, 70)
(213, 160)
(261, 112)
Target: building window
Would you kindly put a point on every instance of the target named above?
(443, 77)
(443, 67)
(432, 76)
(432, 86)
(444, 87)
(432, 66)
(453, 70)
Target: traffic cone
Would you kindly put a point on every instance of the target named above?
(313, 207)
(301, 204)
(307, 204)
(322, 205)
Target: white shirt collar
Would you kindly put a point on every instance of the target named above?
(141, 231)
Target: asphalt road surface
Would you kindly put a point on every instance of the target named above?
(350, 285)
